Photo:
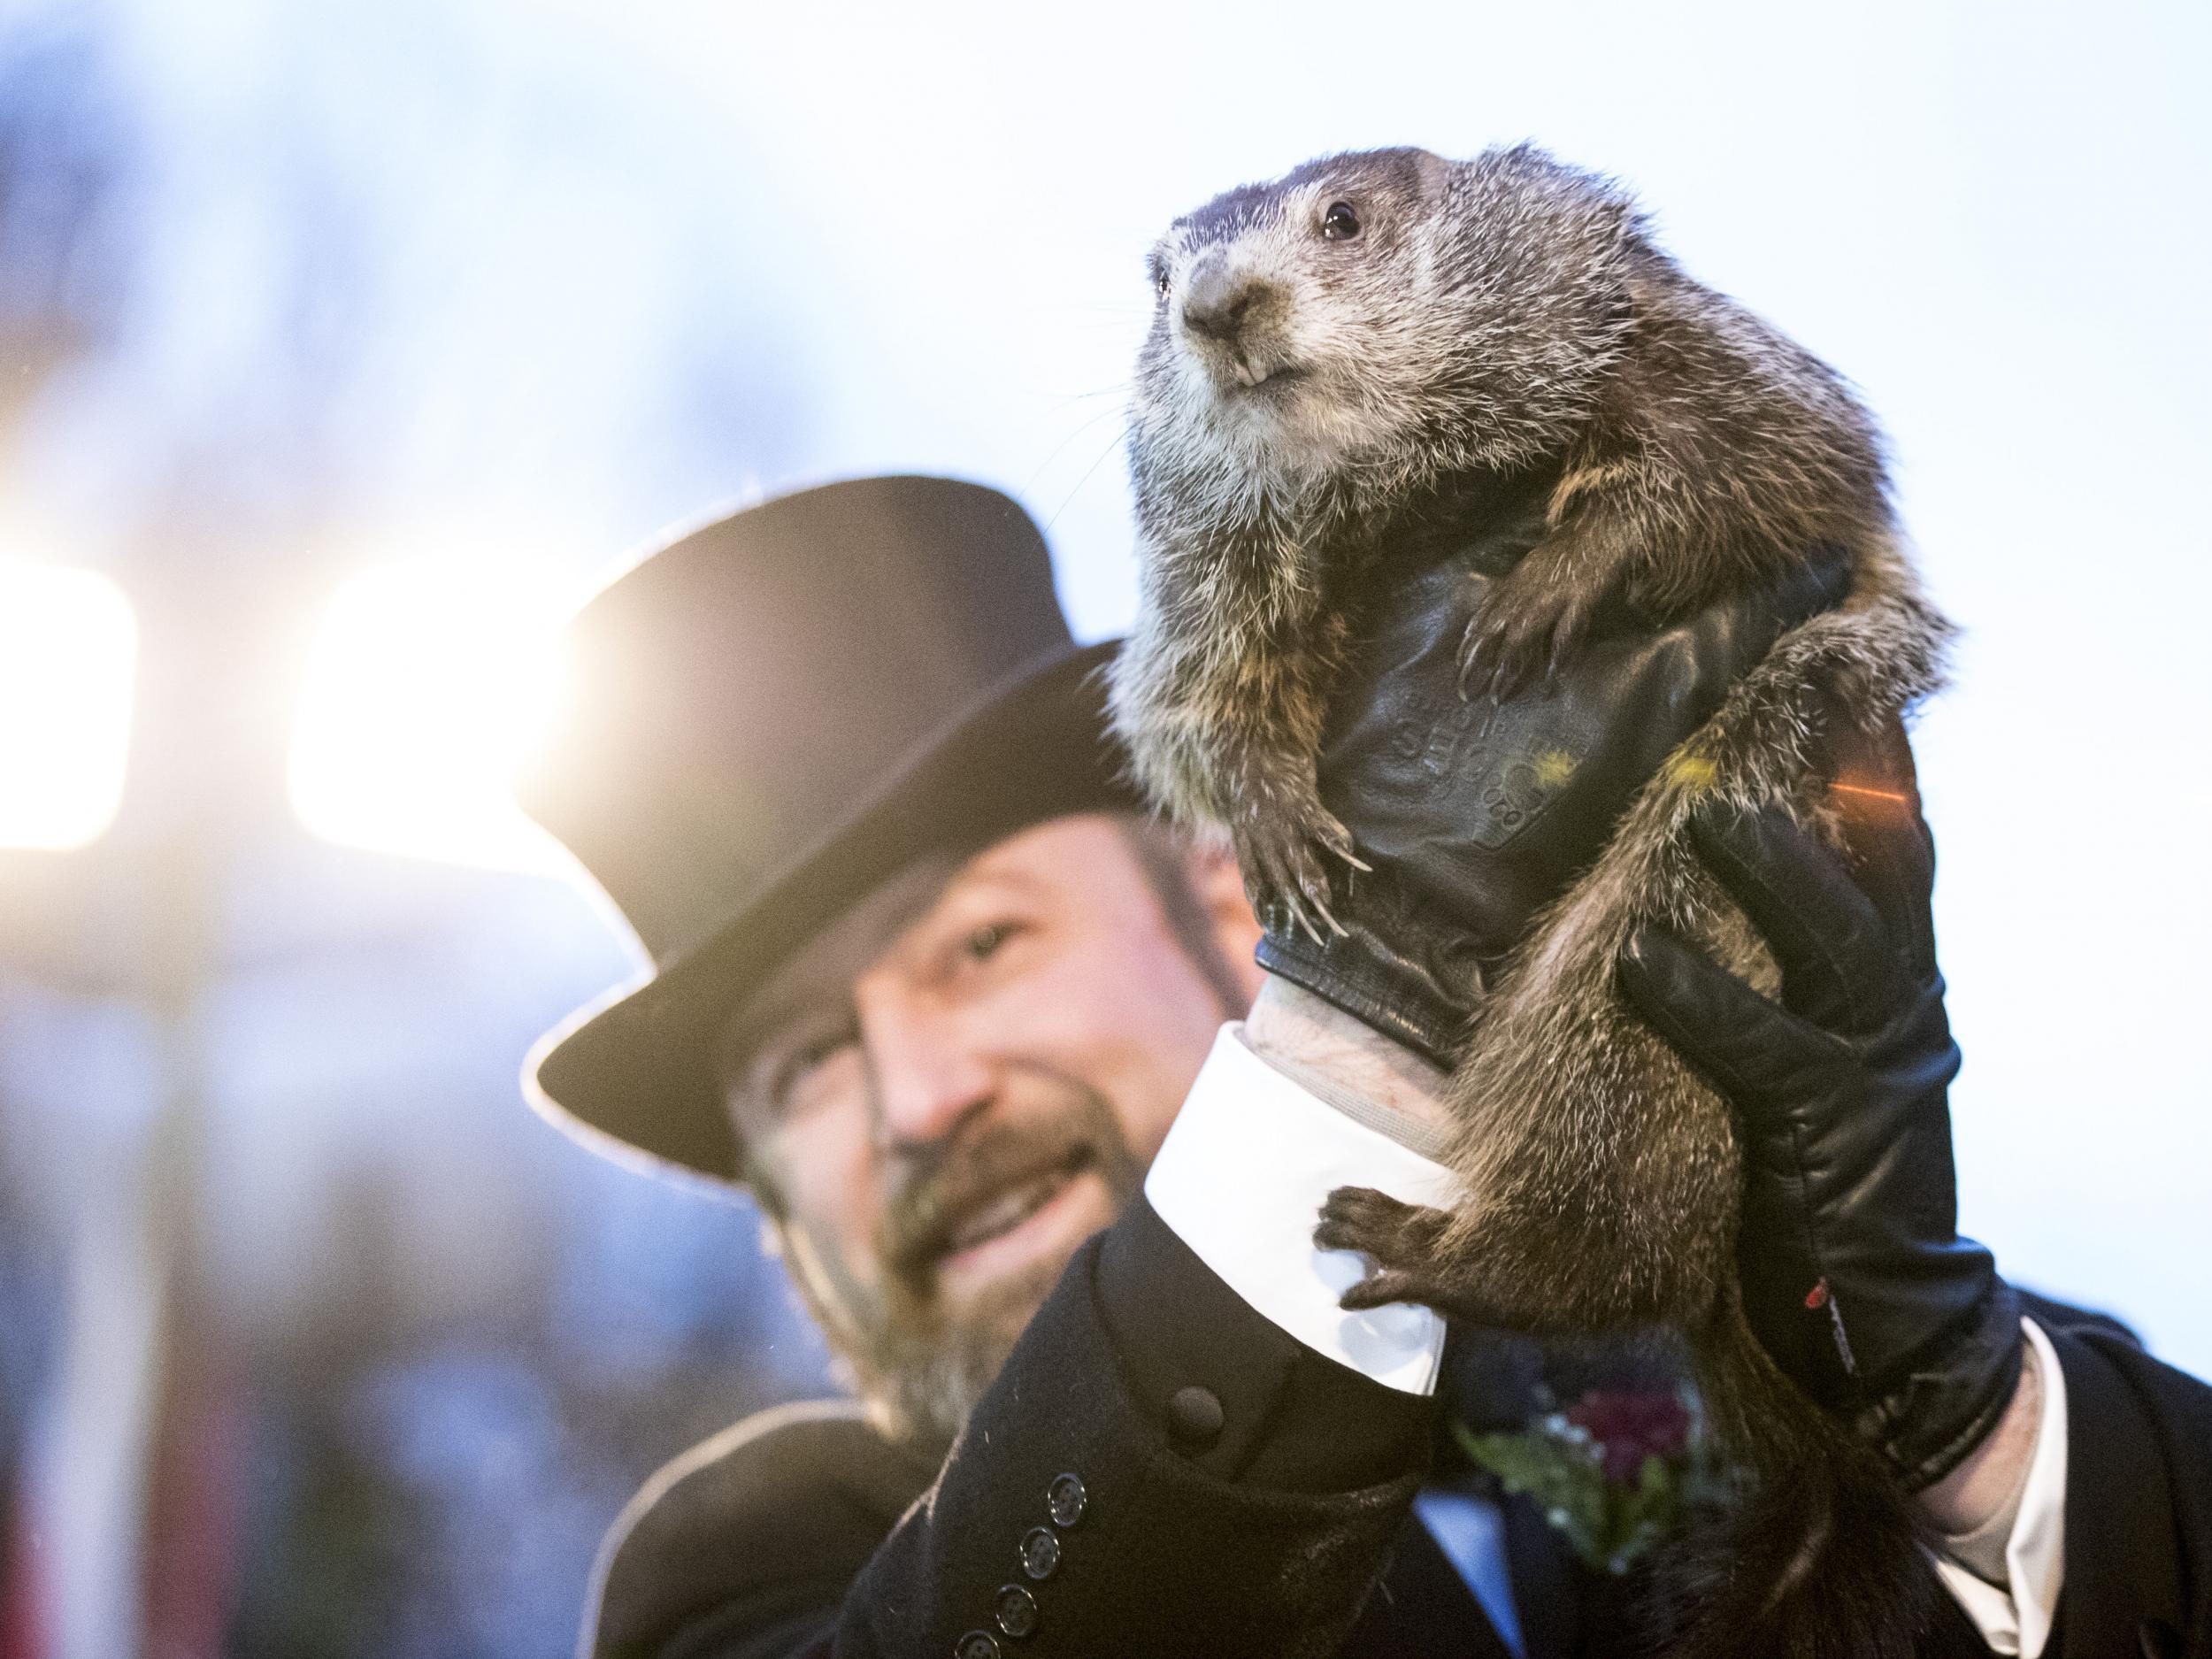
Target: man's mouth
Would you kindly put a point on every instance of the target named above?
(1000, 1215)
(964, 1223)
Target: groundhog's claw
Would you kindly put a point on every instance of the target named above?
(1283, 867)
(1294, 875)
(1525, 631)
(1334, 837)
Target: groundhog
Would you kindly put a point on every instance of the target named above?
(1358, 354)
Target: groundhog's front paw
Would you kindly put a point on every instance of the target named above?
(1527, 629)
(1284, 869)
(1404, 1240)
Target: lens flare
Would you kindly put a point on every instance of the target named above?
(68, 656)
(427, 683)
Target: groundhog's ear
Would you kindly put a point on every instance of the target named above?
(1433, 170)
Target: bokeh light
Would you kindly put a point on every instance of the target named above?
(68, 650)
(426, 686)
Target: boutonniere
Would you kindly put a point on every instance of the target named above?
(1615, 1472)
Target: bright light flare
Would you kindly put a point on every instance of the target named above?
(427, 685)
(68, 659)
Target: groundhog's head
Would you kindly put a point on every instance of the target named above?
(1383, 312)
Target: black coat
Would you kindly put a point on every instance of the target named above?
(1277, 1527)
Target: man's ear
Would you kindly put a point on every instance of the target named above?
(1220, 886)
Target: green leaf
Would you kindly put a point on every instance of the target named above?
(1561, 1470)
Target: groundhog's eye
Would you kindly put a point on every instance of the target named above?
(1339, 223)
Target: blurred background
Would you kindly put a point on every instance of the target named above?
(344, 347)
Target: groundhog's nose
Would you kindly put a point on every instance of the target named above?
(1215, 302)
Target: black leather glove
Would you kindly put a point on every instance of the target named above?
(1474, 814)
(1854, 1277)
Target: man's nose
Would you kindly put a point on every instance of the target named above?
(927, 1079)
(1218, 302)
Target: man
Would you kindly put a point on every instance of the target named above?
(929, 985)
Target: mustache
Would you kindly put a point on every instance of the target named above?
(927, 1207)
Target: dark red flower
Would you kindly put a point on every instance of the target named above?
(1630, 1427)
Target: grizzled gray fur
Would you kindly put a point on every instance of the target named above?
(1341, 359)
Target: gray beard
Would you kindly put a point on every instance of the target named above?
(919, 1370)
(921, 1385)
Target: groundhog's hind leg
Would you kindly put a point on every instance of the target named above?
(1405, 1242)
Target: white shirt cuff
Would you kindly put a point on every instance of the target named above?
(1240, 1179)
(2019, 1621)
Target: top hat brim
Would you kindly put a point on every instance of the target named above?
(632, 1076)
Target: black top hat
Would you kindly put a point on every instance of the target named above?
(771, 716)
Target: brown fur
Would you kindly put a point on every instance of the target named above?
(1698, 452)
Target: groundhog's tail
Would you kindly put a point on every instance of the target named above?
(1820, 1558)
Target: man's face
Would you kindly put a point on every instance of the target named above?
(966, 1075)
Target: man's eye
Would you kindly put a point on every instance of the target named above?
(800, 1062)
(982, 943)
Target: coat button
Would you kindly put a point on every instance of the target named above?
(1040, 1552)
(1016, 1610)
(1064, 1500)
(978, 1644)
(1195, 1418)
